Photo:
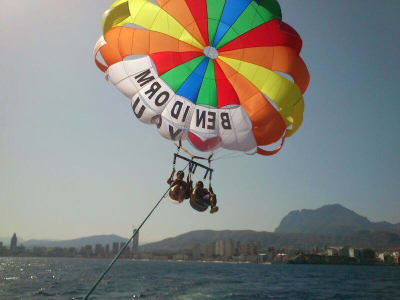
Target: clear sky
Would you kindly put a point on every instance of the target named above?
(74, 161)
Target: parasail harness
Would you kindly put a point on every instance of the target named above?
(193, 164)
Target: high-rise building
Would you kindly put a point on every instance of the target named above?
(115, 248)
(99, 250)
(229, 248)
(258, 247)
(13, 244)
(196, 251)
(251, 248)
(107, 250)
(237, 247)
(243, 249)
(210, 250)
(220, 248)
(87, 251)
(203, 249)
(135, 243)
(2, 249)
(127, 253)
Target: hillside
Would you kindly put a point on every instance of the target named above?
(366, 239)
(77, 243)
(332, 220)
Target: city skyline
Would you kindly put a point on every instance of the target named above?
(76, 163)
(227, 250)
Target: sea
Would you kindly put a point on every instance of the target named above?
(63, 278)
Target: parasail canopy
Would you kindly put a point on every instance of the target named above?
(211, 72)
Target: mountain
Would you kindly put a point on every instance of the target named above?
(332, 220)
(328, 225)
(363, 239)
(77, 243)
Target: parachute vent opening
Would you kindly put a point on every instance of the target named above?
(211, 52)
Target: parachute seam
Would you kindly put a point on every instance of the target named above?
(191, 71)
(210, 63)
(119, 44)
(188, 122)
(234, 128)
(202, 80)
(133, 40)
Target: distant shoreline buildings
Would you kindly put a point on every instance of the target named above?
(87, 251)
(221, 250)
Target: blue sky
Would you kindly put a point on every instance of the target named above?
(75, 162)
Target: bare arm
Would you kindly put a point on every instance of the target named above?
(170, 179)
(193, 194)
(211, 190)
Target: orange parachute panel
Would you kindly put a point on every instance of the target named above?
(125, 41)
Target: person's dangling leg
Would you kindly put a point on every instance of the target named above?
(213, 204)
(174, 193)
(181, 193)
(206, 199)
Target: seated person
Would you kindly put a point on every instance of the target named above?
(180, 189)
(204, 197)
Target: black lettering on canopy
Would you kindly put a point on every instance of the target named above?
(211, 120)
(174, 134)
(141, 110)
(201, 118)
(186, 113)
(176, 109)
(143, 79)
(154, 87)
(157, 120)
(162, 98)
(225, 121)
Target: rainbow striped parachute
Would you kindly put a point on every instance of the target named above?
(207, 71)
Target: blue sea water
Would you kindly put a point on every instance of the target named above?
(62, 278)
